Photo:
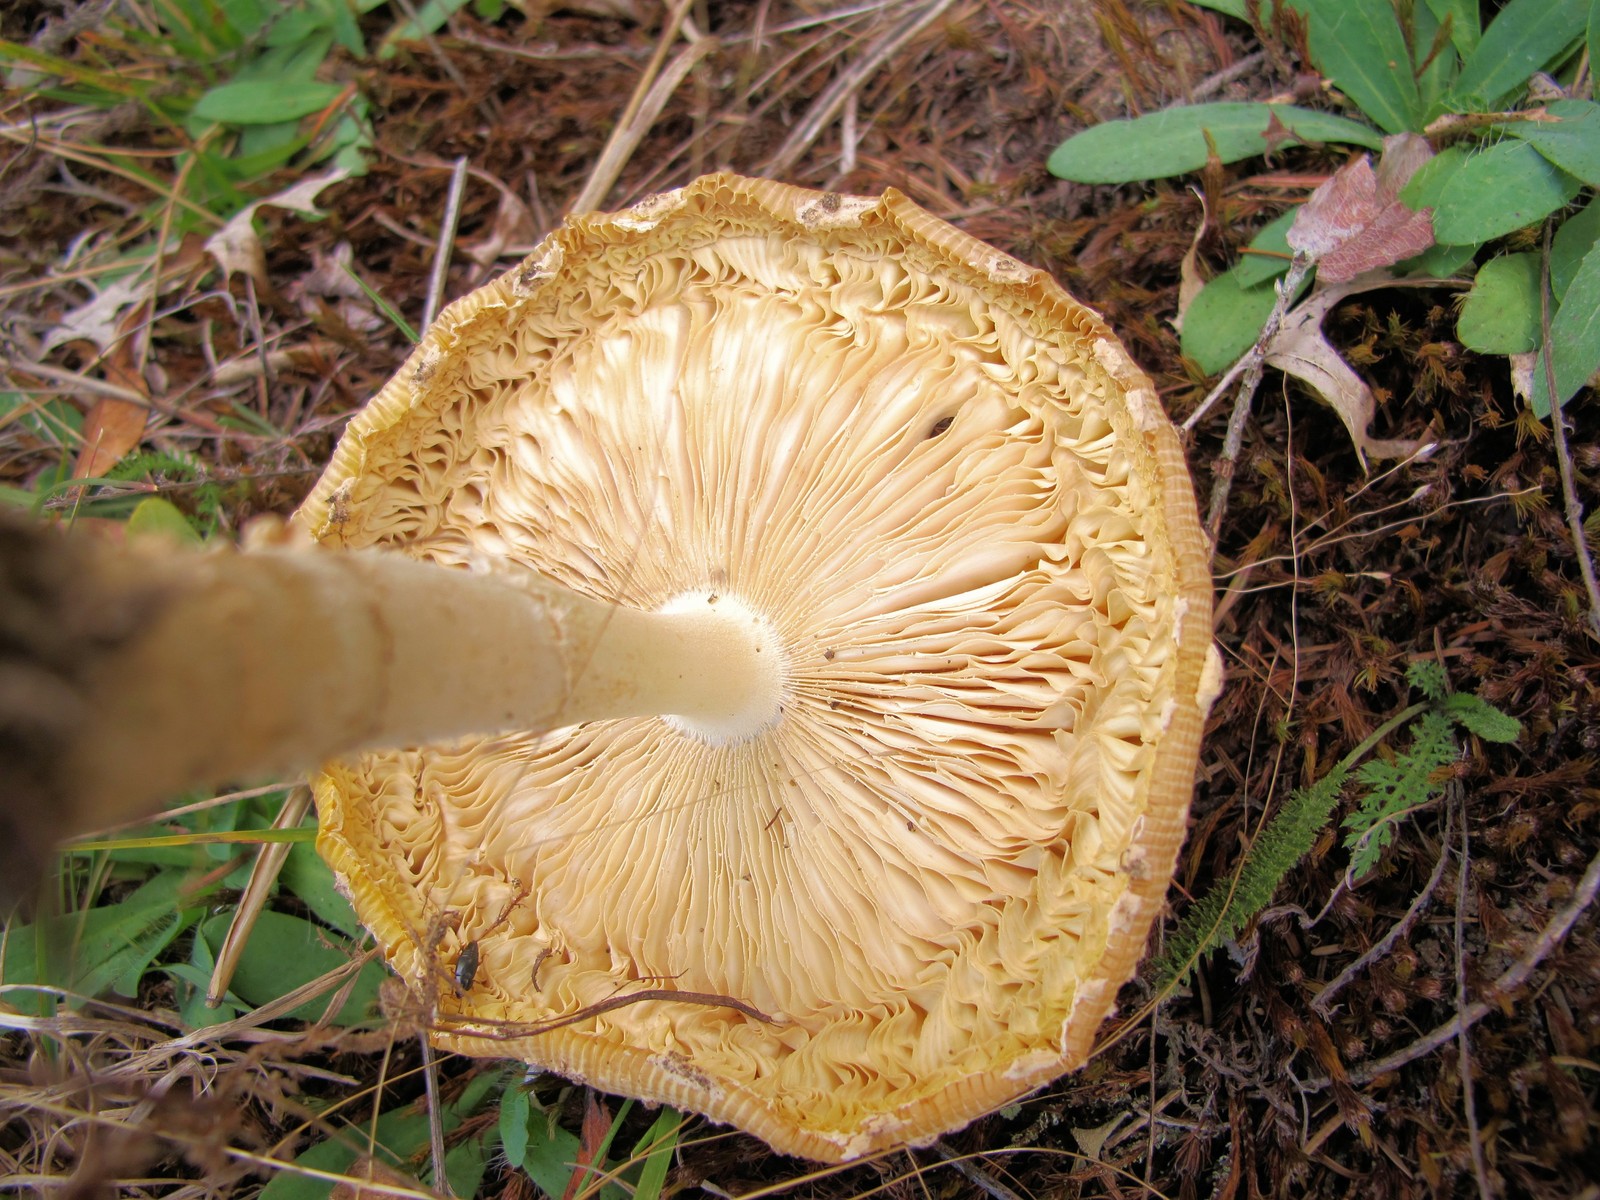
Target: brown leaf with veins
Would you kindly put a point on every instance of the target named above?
(1355, 222)
(113, 428)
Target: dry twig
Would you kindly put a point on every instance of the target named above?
(1558, 425)
(831, 102)
(447, 241)
(650, 96)
(1480, 1169)
(1509, 981)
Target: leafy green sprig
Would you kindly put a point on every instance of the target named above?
(1390, 789)
(1509, 157)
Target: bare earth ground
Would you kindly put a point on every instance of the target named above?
(1330, 580)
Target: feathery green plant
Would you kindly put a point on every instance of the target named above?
(1391, 788)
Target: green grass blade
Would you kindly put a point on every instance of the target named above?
(1174, 141)
(1526, 36)
(385, 308)
(1359, 46)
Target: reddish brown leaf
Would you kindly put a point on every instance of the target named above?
(1355, 223)
(596, 1127)
(113, 427)
(1396, 233)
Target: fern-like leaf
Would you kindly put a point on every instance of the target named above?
(1428, 677)
(1395, 788)
(1476, 715)
(1230, 904)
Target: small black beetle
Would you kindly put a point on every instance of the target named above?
(467, 967)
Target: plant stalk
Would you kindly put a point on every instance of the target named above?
(129, 675)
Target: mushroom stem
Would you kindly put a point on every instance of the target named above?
(131, 674)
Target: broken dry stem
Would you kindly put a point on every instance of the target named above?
(1571, 505)
(1250, 367)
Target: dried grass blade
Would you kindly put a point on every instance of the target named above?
(269, 861)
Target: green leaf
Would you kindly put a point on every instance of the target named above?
(264, 103)
(1594, 35)
(514, 1109)
(1224, 321)
(1429, 678)
(549, 1157)
(1229, 904)
(1465, 28)
(157, 517)
(1231, 8)
(55, 422)
(1432, 178)
(658, 1144)
(401, 1137)
(1359, 46)
(292, 64)
(1273, 253)
(1433, 45)
(283, 953)
(466, 1164)
(1476, 715)
(311, 881)
(195, 977)
(1488, 193)
(103, 949)
(244, 17)
(1526, 36)
(1439, 262)
(1173, 141)
(1574, 338)
(1501, 313)
(1396, 788)
(1571, 243)
(430, 18)
(1572, 143)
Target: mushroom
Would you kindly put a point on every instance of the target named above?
(952, 538)
(800, 620)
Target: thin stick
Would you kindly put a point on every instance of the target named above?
(1549, 937)
(427, 38)
(447, 240)
(1558, 423)
(1212, 84)
(831, 102)
(430, 1080)
(1323, 1004)
(72, 381)
(1253, 364)
(1463, 1038)
(258, 335)
(269, 861)
(974, 1174)
(649, 97)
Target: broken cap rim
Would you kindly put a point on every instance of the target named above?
(1002, 431)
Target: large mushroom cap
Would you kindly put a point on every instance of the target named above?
(939, 486)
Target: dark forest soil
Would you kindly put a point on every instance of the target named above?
(1331, 579)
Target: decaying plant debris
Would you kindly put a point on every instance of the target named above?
(1330, 581)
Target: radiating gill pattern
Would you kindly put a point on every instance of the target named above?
(935, 512)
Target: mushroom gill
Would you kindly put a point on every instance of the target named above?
(926, 838)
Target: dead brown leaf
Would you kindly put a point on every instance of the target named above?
(113, 428)
(1355, 223)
